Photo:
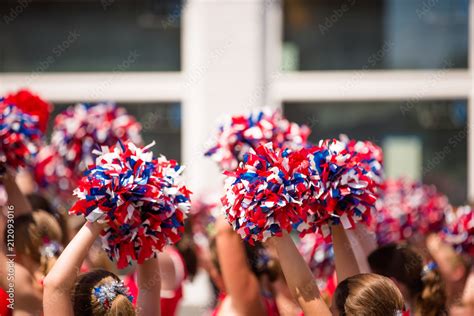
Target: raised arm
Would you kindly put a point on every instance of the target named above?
(149, 286)
(60, 281)
(299, 278)
(344, 256)
(239, 281)
(16, 199)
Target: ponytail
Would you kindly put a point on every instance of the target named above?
(403, 264)
(431, 300)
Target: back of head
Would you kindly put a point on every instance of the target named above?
(28, 240)
(100, 293)
(39, 202)
(51, 236)
(368, 294)
(404, 265)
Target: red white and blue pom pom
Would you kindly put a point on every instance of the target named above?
(369, 155)
(264, 195)
(140, 198)
(407, 209)
(241, 133)
(459, 230)
(20, 138)
(274, 190)
(84, 127)
(319, 254)
(342, 191)
(52, 173)
(33, 105)
(202, 216)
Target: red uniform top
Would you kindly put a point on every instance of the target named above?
(269, 302)
(169, 300)
(4, 310)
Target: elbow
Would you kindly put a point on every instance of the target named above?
(52, 284)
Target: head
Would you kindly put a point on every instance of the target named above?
(38, 240)
(187, 249)
(262, 265)
(39, 202)
(367, 294)
(89, 298)
(421, 285)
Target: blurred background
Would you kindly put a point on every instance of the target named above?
(396, 72)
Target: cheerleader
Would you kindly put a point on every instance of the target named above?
(37, 237)
(421, 285)
(359, 294)
(243, 277)
(98, 292)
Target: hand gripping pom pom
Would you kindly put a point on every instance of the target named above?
(264, 195)
(241, 133)
(20, 138)
(408, 209)
(341, 191)
(459, 230)
(33, 105)
(78, 131)
(140, 198)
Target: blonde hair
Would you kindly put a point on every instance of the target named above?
(86, 303)
(31, 231)
(368, 294)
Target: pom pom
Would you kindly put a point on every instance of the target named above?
(342, 191)
(51, 172)
(33, 105)
(459, 230)
(369, 155)
(140, 199)
(408, 209)
(263, 196)
(319, 254)
(241, 133)
(202, 216)
(20, 138)
(81, 129)
(274, 190)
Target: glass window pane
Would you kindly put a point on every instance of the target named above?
(161, 122)
(434, 132)
(78, 35)
(363, 34)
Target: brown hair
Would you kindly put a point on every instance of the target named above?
(187, 249)
(30, 232)
(259, 262)
(368, 294)
(39, 202)
(85, 303)
(406, 266)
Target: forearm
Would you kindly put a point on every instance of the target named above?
(16, 199)
(149, 287)
(344, 257)
(65, 271)
(299, 278)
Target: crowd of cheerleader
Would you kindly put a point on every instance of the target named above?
(94, 223)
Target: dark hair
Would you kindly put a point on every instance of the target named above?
(368, 294)
(85, 304)
(406, 266)
(187, 249)
(259, 261)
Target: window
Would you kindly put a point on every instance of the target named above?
(364, 34)
(432, 134)
(81, 36)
